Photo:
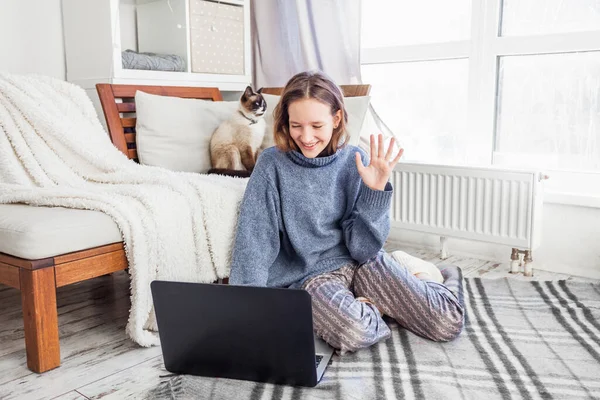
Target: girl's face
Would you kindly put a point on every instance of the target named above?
(312, 125)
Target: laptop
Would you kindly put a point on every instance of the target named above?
(239, 332)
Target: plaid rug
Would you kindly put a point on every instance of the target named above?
(522, 340)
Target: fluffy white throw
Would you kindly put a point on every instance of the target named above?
(175, 225)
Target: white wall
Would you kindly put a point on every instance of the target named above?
(570, 242)
(31, 37)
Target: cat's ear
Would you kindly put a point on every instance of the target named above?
(259, 90)
(248, 92)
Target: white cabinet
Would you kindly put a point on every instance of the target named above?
(211, 39)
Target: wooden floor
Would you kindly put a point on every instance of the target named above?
(99, 361)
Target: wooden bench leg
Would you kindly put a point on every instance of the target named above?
(40, 317)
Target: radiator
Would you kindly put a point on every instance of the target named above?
(485, 204)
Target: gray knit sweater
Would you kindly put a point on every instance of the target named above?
(306, 216)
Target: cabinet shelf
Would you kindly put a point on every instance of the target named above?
(97, 31)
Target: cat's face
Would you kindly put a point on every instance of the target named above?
(253, 102)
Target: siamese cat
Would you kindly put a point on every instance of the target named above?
(235, 144)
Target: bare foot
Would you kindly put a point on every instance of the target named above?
(365, 300)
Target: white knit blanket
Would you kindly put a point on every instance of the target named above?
(175, 225)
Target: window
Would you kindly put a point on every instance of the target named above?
(427, 102)
(400, 22)
(513, 83)
(535, 17)
(548, 111)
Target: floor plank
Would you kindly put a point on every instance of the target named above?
(99, 361)
(129, 384)
(75, 314)
(92, 310)
(80, 369)
(73, 395)
(92, 319)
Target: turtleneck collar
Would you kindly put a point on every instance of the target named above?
(316, 162)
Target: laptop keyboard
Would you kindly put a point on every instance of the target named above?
(318, 360)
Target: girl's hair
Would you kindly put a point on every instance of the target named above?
(309, 85)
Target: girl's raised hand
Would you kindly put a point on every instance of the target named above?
(377, 173)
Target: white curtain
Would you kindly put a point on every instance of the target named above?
(291, 36)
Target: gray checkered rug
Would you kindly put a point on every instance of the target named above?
(522, 340)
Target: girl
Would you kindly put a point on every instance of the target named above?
(315, 216)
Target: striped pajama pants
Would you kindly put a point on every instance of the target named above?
(426, 308)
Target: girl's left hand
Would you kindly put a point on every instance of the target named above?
(378, 172)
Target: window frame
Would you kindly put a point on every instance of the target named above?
(483, 52)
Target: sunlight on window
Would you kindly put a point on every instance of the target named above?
(401, 22)
(549, 111)
(533, 17)
(425, 104)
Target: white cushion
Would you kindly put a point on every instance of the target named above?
(38, 232)
(174, 133)
(356, 107)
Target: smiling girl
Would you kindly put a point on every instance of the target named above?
(315, 216)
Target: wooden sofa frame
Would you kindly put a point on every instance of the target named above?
(38, 279)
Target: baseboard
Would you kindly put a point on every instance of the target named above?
(483, 251)
(570, 270)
